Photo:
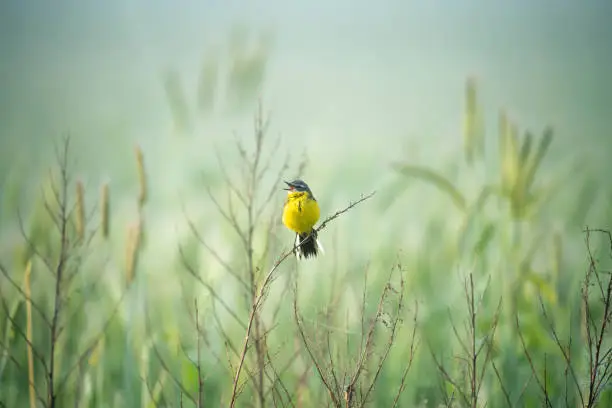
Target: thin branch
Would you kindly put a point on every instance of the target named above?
(322, 376)
(531, 364)
(263, 290)
(27, 298)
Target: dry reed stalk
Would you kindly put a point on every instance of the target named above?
(472, 135)
(80, 211)
(94, 357)
(104, 207)
(133, 242)
(142, 179)
(28, 293)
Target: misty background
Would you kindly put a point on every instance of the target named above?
(373, 96)
(353, 84)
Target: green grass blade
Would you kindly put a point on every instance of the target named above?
(544, 287)
(472, 137)
(485, 238)
(207, 83)
(9, 334)
(509, 154)
(434, 178)
(177, 100)
(588, 195)
(526, 148)
(536, 160)
(473, 213)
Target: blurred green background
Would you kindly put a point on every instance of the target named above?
(405, 98)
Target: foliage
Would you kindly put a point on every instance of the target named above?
(245, 328)
(227, 81)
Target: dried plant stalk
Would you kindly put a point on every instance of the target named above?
(94, 357)
(472, 135)
(104, 208)
(142, 179)
(133, 243)
(508, 152)
(28, 296)
(80, 211)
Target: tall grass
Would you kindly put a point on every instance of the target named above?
(82, 326)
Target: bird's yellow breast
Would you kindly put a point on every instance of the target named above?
(301, 212)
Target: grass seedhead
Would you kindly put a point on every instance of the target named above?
(104, 209)
(521, 196)
(142, 177)
(509, 158)
(131, 251)
(54, 356)
(80, 211)
(533, 162)
(519, 164)
(473, 137)
(242, 342)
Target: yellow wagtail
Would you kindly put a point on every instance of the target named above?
(300, 214)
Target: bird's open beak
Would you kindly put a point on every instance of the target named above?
(290, 186)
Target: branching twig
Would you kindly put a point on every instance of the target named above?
(353, 386)
(64, 262)
(599, 353)
(472, 351)
(263, 288)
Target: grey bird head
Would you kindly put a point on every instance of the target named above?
(299, 186)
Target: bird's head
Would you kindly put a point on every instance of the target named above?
(297, 186)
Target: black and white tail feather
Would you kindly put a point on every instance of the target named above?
(308, 245)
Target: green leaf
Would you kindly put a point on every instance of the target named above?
(537, 201)
(584, 201)
(526, 148)
(474, 212)
(177, 101)
(608, 209)
(9, 332)
(545, 288)
(437, 180)
(10, 194)
(389, 194)
(534, 163)
(473, 140)
(486, 192)
(189, 375)
(536, 338)
(207, 84)
(485, 238)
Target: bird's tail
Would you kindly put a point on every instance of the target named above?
(310, 245)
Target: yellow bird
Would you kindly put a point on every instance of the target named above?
(300, 214)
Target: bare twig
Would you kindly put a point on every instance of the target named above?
(64, 263)
(532, 365)
(600, 363)
(62, 202)
(263, 288)
(352, 386)
(475, 366)
(599, 352)
(414, 345)
(198, 348)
